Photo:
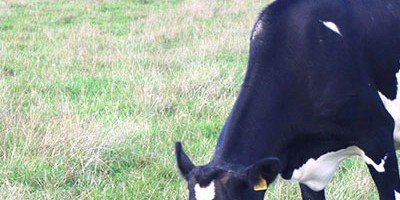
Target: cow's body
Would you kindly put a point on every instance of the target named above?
(311, 98)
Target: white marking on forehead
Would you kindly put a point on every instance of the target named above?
(316, 173)
(258, 28)
(393, 107)
(332, 26)
(205, 193)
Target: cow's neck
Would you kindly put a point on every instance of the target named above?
(244, 138)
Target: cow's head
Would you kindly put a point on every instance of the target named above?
(225, 181)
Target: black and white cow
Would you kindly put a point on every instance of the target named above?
(319, 76)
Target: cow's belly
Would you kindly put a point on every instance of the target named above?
(316, 173)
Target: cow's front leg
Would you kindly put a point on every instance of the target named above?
(309, 194)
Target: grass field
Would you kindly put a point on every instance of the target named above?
(94, 93)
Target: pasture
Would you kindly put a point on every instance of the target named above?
(94, 93)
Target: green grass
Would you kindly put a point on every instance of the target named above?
(95, 93)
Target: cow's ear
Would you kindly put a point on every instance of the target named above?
(185, 165)
(263, 172)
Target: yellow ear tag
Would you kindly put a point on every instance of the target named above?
(261, 185)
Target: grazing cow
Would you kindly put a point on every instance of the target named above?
(311, 98)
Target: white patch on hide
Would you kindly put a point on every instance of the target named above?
(393, 107)
(378, 167)
(332, 26)
(316, 173)
(396, 195)
(205, 193)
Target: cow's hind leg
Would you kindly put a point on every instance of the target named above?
(309, 194)
(386, 179)
(382, 164)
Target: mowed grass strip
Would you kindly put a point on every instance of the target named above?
(94, 94)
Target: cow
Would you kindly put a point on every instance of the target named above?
(319, 76)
